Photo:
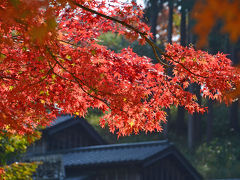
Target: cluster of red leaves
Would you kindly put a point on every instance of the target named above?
(214, 73)
(50, 57)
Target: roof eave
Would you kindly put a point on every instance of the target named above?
(172, 150)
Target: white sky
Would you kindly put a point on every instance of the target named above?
(139, 2)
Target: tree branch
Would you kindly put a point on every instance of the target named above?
(143, 35)
(77, 80)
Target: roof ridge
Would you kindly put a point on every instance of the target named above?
(106, 147)
(116, 146)
(61, 118)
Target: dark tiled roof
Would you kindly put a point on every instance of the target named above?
(65, 121)
(83, 177)
(61, 119)
(116, 153)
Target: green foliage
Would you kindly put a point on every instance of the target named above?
(177, 20)
(19, 171)
(219, 159)
(11, 148)
(113, 41)
(93, 116)
(221, 121)
(117, 43)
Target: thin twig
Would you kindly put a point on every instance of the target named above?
(143, 35)
(77, 80)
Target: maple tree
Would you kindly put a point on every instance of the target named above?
(50, 57)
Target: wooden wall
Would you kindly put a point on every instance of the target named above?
(166, 169)
(107, 173)
(71, 137)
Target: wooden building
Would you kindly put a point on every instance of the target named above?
(66, 132)
(88, 157)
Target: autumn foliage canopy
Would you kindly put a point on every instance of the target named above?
(51, 61)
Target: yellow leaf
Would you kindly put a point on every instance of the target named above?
(68, 57)
(132, 123)
(2, 57)
(41, 92)
(53, 76)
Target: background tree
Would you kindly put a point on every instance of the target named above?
(181, 127)
(11, 149)
(152, 10)
(233, 110)
(51, 60)
(170, 20)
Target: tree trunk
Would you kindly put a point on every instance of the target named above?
(197, 117)
(209, 120)
(234, 125)
(170, 21)
(180, 113)
(233, 110)
(183, 26)
(170, 24)
(194, 121)
(153, 18)
(215, 43)
(191, 124)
